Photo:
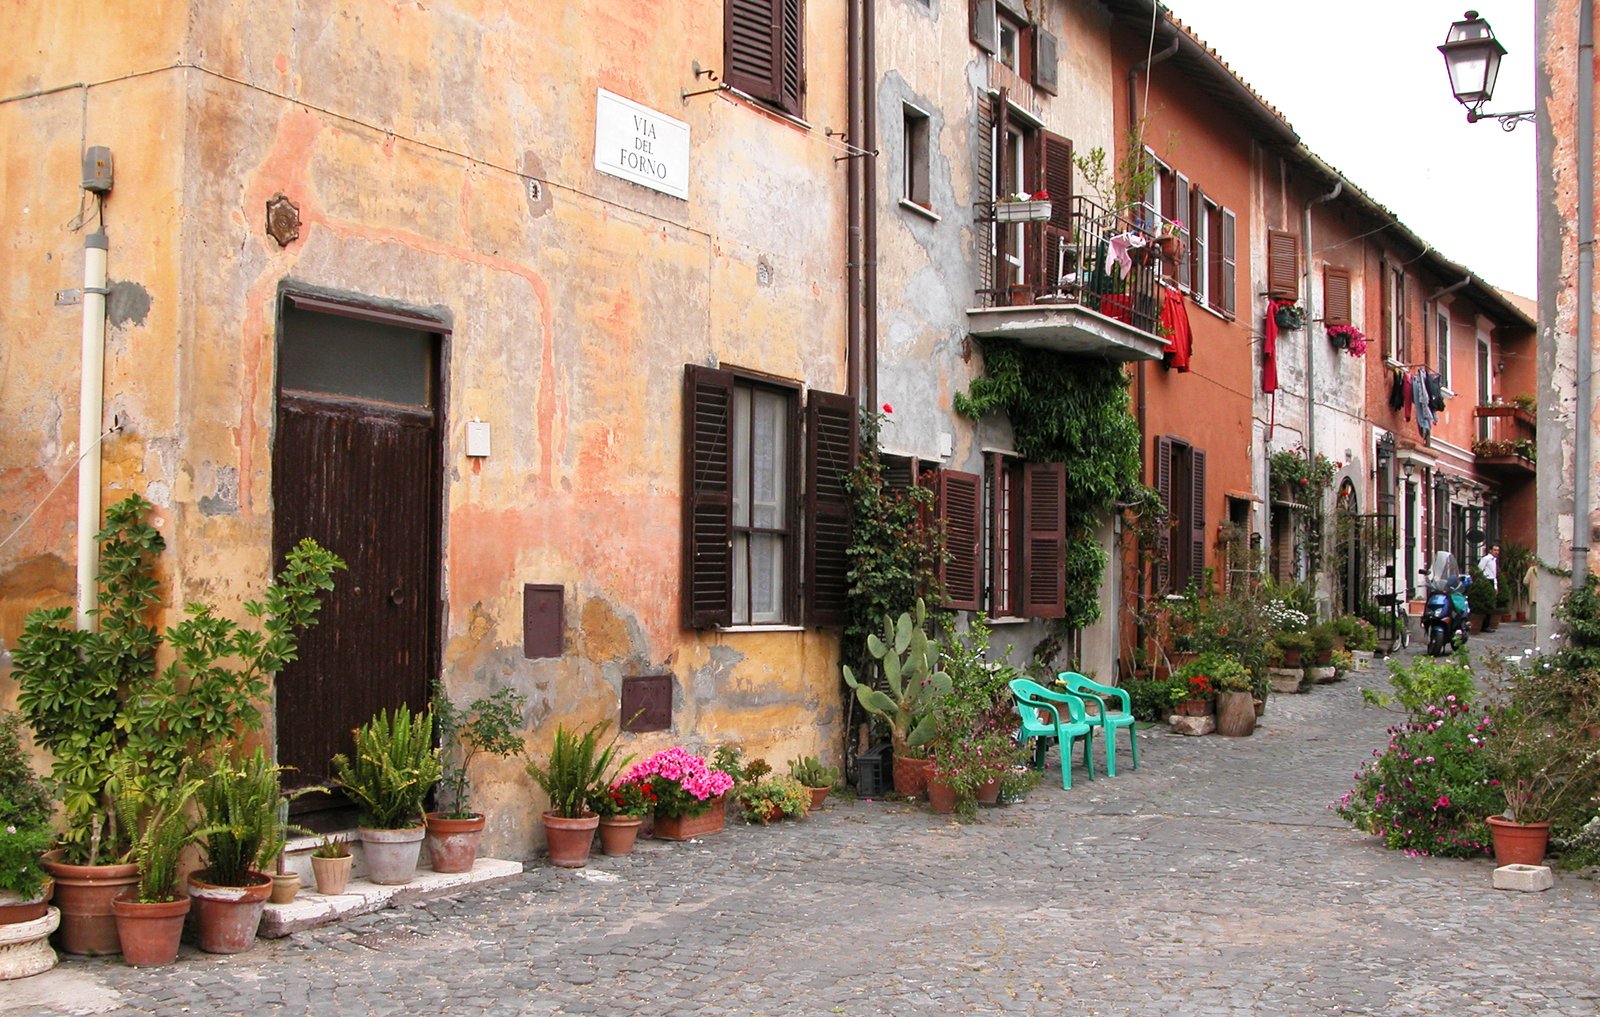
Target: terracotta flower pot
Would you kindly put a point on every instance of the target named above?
(910, 776)
(227, 917)
(150, 932)
(84, 893)
(333, 874)
(1196, 708)
(818, 796)
(284, 886)
(25, 946)
(392, 854)
(988, 793)
(713, 820)
(453, 843)
(569, 840)
(618, 834)
(1518, 843)
(16, 909)
(941, 796)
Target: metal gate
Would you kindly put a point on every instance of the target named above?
(1365, 549)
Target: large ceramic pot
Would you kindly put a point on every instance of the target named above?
(227, 917)
(570, 840)
(818, 796)
(713, 820)
(83, 894)
(1518, 843)
(333, 874)
(618, 834)
(25, 946)
(910, 776)
(941, 796)
(1236, 714)
(16, 909)
(392, 854)
(988, 793)
(453, 843)
(149, 932)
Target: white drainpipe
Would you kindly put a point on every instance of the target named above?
(90, 409)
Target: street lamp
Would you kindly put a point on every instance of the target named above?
(1472, 58)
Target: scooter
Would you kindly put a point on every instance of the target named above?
(1444, 618)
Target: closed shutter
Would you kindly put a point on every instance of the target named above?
(1197, 513)
(1057, 180)
(960, 502)
(1335, 296)
(1227, 277)
(1044, 62)
(831, 438)
(1181, 212)
(1164, 531)
(899, 472)
(765, 42)
(707, 498)
(985, 28)
(1283, 265)
(1044, 521)
(983, 193)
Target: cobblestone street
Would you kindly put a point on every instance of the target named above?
(1213, 880)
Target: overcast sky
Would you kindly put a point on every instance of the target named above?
(1364, 85)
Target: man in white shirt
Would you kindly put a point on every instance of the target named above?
(1489, 565)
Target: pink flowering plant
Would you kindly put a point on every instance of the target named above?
(684, 783)
(1430, 789)
(1348, 338)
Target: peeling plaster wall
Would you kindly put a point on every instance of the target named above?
(407, 136)
(928, 274)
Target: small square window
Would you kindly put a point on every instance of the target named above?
(1010, 38)
(916, 157)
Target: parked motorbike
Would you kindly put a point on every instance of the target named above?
(1444, 618)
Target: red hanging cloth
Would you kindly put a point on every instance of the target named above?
(1269, 347)
(1175, 320)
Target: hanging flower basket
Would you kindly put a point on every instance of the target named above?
(1291, 317)
(1348, 338)
(1023, 207)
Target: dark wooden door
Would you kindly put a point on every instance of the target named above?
(356, 467)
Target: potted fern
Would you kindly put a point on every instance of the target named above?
(156, 814)
(577, 770)
(394, 767)
(490, 725)
(242, 832)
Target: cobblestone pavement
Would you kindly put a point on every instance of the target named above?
(1212, 881)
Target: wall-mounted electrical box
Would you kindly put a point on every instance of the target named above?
(477, 438)
(97, 169)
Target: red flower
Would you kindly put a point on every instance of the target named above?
(887, 408)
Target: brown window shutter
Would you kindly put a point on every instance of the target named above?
(1033, 234)
(1197, 204)
(830, 456)
(1044, 62)
(1181, 212)
(1335, 296)
(1057, 177)
(1227, 277)
(985, 31)
(1164, 532)
(1044, 521)
(983, 190)
(960, 507)
(707, 498)
(899, 472)
(1283, 264)
(1390, 349)
(750, 36)
(1402, 293)
(1197, 513)
(792, 57)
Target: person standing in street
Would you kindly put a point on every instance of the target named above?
(1489, 565)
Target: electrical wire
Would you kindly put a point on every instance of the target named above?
(57, 485)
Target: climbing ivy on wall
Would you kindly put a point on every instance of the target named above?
(1074, 412)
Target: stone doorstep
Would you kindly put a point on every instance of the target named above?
(1527, 878)
(310, 909)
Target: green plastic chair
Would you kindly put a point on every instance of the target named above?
(1031, 697)
(1104, 719)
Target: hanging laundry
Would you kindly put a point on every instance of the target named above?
(1405, 390)
(1435, 391)
(1425, 415)
(1269, 347)
(1397, 391)
(1175, 320)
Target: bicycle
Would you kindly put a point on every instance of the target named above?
(1395, 605)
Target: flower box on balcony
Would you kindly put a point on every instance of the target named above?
(1021, 211)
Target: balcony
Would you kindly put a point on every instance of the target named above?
(1102, 294)
(1507, 441)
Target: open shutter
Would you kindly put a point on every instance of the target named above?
(1033, 233)
(1199, 243)
(985, 27)
(1197, 513)
(1044, 62)
(1283, 265)
(750, 34)
(1335, 296)
(1044, 520)
(1391, 347)
(791, 57)
(830, 455)
(1180, 211)
(960, 502)
(983, 192)
(1164, 531)
(707, 498)
(1402, 317)
(1227, 276)
(1057, 180)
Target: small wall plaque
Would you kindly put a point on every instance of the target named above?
(543, 620)
(647, 703)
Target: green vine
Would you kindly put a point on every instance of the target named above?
(1073, 412)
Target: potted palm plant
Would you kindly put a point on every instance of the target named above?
(155, 812)
(394, 767)
(575, 772)
(490, 725)
(242, 833)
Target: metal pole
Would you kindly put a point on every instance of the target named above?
(90, 408)
(1583, 414)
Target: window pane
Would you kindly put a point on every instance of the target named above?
(766, 578)
(334, 355)
(760, 475)
(768, 460)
